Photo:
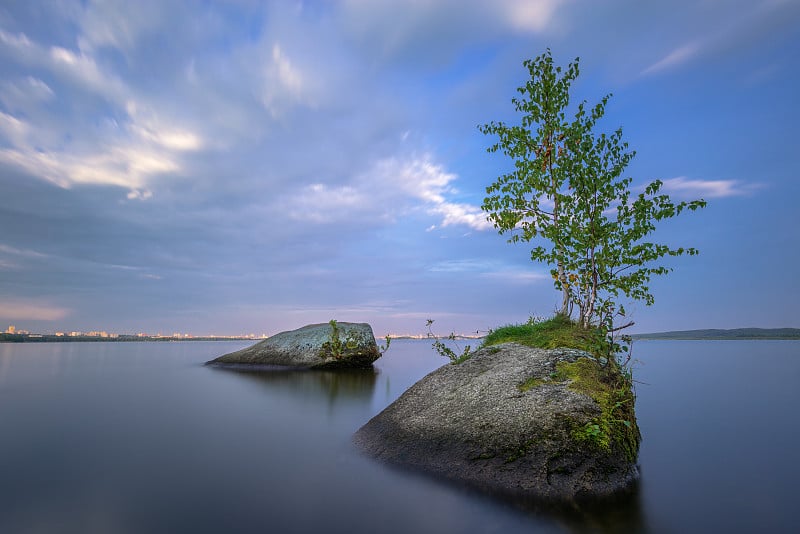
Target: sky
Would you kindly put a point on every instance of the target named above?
(250, 167)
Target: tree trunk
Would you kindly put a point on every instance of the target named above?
(586, 320)
(565, 293)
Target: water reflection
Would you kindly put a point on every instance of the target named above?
(335, 387)
(623, 512)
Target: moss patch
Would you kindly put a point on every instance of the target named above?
(531, 383)
(556, 332)
(611, 388)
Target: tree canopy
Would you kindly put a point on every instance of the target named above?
(567, 193)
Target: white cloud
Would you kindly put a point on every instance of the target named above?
(123, 165)
(79, 67)
(150, 127)
(286, 73)
(462, 214)
(83, 70)
(25, 94)
(422, 178)
(284, 83)
(529, 15)
(390, 188)
(685, 187)
(136, 194)
(13, 129)
(19, 41)
(132, 146)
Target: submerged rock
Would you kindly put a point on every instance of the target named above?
(510, 421)
(318, 346)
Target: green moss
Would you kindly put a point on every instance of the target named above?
(558, 331)
(531, 383)
(611, 387)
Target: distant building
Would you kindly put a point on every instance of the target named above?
(11, 329)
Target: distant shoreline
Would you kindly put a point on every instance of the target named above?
(122, 338)
(686, 335)
(716, 334)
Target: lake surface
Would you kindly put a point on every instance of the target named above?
(142, 438)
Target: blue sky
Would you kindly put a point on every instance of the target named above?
(242, 166)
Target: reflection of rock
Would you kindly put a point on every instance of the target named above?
(473, 423)
(318, 346)
(339, 385)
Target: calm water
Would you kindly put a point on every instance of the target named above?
(141, 438)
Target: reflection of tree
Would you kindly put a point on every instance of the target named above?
(336, 386)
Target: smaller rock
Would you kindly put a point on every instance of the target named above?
(316, 346)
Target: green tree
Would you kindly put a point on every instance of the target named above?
(567, 189)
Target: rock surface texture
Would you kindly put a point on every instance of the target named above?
(318, 346)
(473, 423)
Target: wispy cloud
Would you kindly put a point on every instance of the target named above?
(518, 276)
(462, 214)
(118, 24)
(489, 269)
(463, 265)
(527, 15)
(132, 146)
(27, 253)
(389, 189)
(12, 258)
(432, 30)
(685, 187)
(678, 56)
(284, 83)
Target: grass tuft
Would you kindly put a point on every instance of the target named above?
(558, 331)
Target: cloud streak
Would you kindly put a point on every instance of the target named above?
(683, 187)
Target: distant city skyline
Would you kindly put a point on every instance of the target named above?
(12, 329)
(256, 166)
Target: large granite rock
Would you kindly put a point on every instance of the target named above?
(504, 421)
(318, 346)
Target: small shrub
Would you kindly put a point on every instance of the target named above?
(443, 350)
